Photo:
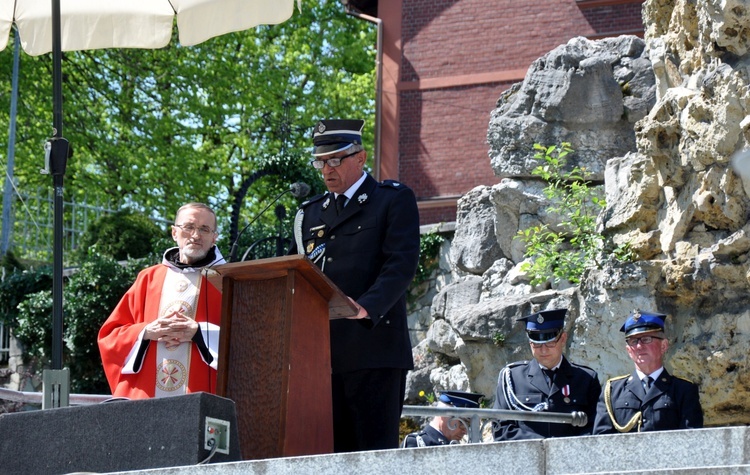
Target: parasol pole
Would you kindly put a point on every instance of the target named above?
(56, 382)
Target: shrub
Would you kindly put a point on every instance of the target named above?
(90, 295)
(564, 253)
(121, 235)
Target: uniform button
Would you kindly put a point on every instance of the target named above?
(333, 236)
(387, 322)
(330, 259)
(359, 227)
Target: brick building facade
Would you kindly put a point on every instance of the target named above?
(445, 63)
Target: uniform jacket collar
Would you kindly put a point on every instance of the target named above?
(562, 377)
(659, 387)
(359, 199)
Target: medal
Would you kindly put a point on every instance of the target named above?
(566, 393)
(310, 247)
(318, 231)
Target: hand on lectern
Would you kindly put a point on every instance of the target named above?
(361, 312)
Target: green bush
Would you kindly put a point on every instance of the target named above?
(17, 287)
(563, 254)
(122, 235)
(89, 297)
(429, 257)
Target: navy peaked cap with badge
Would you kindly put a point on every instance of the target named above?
(643, 322)
(545, 325)
(461, 398)
(335, 135)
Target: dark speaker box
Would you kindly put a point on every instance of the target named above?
(118, 435)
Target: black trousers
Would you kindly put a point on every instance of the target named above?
(367, 408)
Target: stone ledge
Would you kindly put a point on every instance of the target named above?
(717, 450)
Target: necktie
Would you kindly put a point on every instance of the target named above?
(549, 375)
(340, 201)
(647, 383)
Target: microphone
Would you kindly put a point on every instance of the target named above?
(298, 190)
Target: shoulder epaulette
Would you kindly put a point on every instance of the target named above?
(617, 378)
(684, 379)
(517, 363)
(313, 200)
(391, 184)
(582, 366)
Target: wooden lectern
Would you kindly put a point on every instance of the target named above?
(274, 354)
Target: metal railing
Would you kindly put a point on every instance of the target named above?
(479, 418)
(38, 398)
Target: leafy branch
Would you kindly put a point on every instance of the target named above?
(565, 252)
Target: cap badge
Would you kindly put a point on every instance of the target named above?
(540, 319)
(321, 128)
(362, 198)
(637, 315)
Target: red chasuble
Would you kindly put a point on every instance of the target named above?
(120, 338)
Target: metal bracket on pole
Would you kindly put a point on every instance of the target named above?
(56, 388)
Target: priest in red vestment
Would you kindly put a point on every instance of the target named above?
(162, 339)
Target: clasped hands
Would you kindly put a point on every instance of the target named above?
(172, 329)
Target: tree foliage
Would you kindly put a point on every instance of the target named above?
(227, 122)
(90, 295)
(122, 235)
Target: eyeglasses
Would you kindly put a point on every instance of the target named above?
(331, 162)
(190, 229)
(547, 344)
(644, 340)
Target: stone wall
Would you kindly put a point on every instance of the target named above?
(657, 121)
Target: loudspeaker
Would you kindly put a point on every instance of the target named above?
(119, 435)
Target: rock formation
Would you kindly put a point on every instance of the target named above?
(657, 122)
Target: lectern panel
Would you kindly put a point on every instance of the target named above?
(258, 347)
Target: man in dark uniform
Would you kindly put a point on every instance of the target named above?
(549, 383)
(445, 430)
(650, 398)
(364, 235)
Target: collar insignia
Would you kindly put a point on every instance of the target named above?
(362, 198)
(326, 202)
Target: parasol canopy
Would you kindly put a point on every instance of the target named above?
(98, 24)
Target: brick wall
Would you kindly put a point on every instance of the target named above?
(443, 112)
(443, 141)
(615, 19)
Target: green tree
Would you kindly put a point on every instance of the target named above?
(121, 235)
(227, 122)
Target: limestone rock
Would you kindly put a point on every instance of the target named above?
(658, 122)
(588, 93)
